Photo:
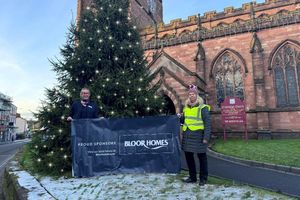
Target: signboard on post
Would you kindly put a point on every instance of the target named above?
(233, 112)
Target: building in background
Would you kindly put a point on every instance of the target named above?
(8, 112)
(252, 53)
(22, 126)
(34, 126)
(143, 13)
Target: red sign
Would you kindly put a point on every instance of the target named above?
(233, 111)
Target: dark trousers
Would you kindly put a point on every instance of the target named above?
(192, 167)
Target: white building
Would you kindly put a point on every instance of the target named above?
(21, 125)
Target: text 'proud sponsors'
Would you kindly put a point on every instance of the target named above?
(108, 148)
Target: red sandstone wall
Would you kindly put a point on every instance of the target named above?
(140, 17)
(280, 120)
(241, 43)
(285, 121)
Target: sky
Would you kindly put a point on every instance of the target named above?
(32, 31)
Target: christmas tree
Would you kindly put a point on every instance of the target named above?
(103, 52)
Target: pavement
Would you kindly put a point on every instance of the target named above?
(7, 152)
(281, 179)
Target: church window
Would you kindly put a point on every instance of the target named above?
(286, 64)
(228, 77)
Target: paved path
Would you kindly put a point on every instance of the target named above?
(278, 181)
(7, 151)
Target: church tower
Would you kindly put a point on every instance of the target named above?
(143, 12)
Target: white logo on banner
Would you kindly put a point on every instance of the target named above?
(149, 144)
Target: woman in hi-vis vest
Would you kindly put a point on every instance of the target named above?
(196, 133)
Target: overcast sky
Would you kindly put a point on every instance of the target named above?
(31, 32)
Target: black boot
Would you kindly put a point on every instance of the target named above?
(190, 180)
(202, 182)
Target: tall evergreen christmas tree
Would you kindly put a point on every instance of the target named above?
(103, 52)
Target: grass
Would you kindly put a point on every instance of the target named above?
(211, 180)
(284, 152)
(280, 152)
(25, 159)
(229, 183)
(218, 181)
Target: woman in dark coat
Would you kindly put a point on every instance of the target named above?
(196, 134)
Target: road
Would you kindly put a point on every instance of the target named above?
(277, 181)
(7, 152)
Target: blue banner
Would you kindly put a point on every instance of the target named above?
(134, 145)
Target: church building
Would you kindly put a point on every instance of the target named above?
(252, 53)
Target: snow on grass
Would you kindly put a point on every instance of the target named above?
(28, 182)
(145, 186)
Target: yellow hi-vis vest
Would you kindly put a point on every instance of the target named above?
(193, 118)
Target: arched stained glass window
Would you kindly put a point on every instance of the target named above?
(280, 87)
(286, 67)
(220, 88)
(228, 77)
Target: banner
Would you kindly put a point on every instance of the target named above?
(134, 145)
